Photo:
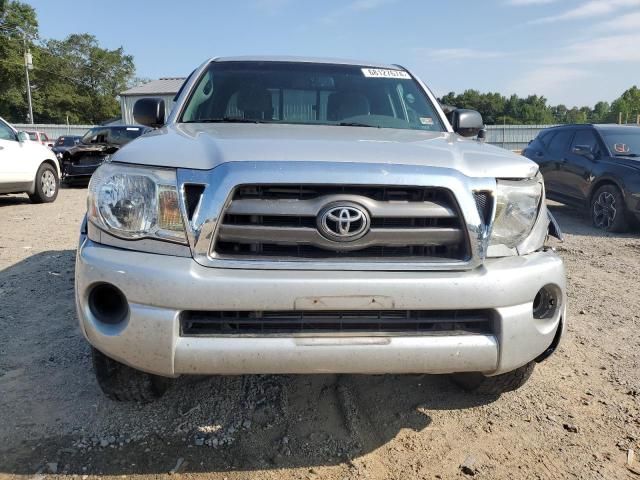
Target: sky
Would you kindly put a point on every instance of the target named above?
(574, 52)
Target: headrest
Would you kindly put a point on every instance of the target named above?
(341, 105)
(254, 100)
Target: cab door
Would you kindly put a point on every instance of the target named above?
(555, 158)
(577, 167)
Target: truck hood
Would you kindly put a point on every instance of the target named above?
(205, 146)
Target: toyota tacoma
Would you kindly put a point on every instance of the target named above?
(298, 216)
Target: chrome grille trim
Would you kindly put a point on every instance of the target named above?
(311, 236)
(312, 207)
(221, 182)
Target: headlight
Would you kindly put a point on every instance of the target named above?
(136, 202)
(518, 202)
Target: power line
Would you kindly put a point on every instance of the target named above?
(75, 80)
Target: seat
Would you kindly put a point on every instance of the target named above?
(341, 105)
(255, 103)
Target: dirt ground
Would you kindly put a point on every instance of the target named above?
(576, 418)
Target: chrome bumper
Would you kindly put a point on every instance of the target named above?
(158, 288)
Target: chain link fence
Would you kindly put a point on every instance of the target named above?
(54, 131)
(511, 137)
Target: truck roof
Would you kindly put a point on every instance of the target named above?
(332, 61)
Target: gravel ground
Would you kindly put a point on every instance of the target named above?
(576, 418)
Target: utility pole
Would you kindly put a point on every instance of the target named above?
(28, 65)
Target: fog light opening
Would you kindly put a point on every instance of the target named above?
(108, 304)
(545, 303)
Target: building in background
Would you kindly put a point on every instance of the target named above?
(165, 88)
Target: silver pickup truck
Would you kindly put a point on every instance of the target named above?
(315, 216)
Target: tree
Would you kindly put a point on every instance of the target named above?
(628, 104)
(72, 78)
(559, 113)
(601, 113)
(535, 111)
(87, 80)
(497, 109)
(18, 23)
(490, 105)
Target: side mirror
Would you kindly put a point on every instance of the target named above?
(584, 151)
(23, 137)
(149, 112)
(466, 122)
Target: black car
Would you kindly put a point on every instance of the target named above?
(593, 166)
(80, 161)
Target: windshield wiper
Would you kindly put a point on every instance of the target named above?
(225, 120)
(356, 124)
(627, 154)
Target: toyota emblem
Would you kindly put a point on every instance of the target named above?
(343, 221)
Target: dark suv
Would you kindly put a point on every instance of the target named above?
(595, 166)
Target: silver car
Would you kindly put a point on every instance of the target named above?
(315, 216)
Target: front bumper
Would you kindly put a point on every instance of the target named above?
(159, 287)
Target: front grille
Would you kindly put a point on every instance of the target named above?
(280, 222)
(484, 203)
(306, 192)
(87, 160)
(228, 249)
(405, 322)
(310, 222)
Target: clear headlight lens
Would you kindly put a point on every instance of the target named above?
(518, 202)
(136, 202)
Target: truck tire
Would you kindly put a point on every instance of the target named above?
(608, 210)
(47, 185)
(496, 385)
(125, 384)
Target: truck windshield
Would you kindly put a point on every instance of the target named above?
(310, 93)
(67, 141)
(111, 135)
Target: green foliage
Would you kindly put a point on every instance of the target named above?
(534, 110)
(628, 104)
(18, 20)
(72, 78)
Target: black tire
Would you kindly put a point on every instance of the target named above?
(125, 384)
(608, 211)
(47, 185)
(496, 385)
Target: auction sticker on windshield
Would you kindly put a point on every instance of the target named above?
(384, 73)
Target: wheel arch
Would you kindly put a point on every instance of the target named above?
(53, 163)
(46, 161)
(601, 183)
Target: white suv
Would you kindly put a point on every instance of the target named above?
(27, 167)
